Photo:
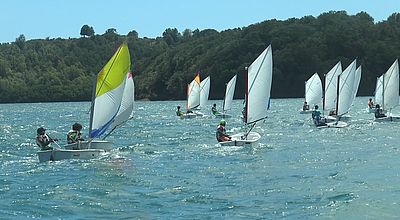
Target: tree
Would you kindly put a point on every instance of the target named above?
(171, 36)
(20, 41)
(87, 30)
(134, 34)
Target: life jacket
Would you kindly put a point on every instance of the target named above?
(73, 136)
(43, 141)
(220, 132)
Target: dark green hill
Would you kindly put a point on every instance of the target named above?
(63, 69)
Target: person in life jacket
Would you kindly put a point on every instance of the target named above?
(371, 103)
(316, 116)
(214, 109)
(221, 132)
(74, 135)
(379, 112)
(43, 140)
(178, 111)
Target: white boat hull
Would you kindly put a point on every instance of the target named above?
(388, 118)
(222, 115)
(306, 111)
(94, 144)
(188, 116)
(63, 154)
(338, 124)
(237, 140)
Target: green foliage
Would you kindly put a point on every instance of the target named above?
(64, 70)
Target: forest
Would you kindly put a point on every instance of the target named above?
(48, 70)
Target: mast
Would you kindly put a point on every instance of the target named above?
(337, 95)
(246, 76)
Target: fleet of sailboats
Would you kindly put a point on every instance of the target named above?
(113, 100)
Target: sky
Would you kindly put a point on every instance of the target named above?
(39, 19)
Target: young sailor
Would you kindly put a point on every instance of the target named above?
(316, 116)
(214, 109)
(74, 135)
(379, 112)
(178, 111)
(221, 132)
(43, 140)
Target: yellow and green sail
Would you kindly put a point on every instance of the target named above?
(109, 90)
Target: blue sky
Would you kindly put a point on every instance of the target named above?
(38, 19)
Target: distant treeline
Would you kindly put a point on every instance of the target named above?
(64, 69)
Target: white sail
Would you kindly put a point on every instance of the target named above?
(193, 93)
(259, 79)
(126, 108)
(356, 83)
(346, 89)
(313, 90)
(229, 92)
(331, 87)
(379, 90)
(204, 92)
(391, 87)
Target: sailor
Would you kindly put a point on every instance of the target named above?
(43, 140)
(221, 132)
(371, 103)
(316, 116)
(74, 135)
(306, 106)
(214, 109)
(379, 112)
(178, 111)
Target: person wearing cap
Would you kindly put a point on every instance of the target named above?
(221, 132)
(74, 135)
(316, 116)
(43, 140)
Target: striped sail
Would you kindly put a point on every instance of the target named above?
(193, 93)
(259, 80)
(109, 89)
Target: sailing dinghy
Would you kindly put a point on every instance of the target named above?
(258, 89)
(229, 92)
(112, 105)
(204, 93)
(389, 89)
(193, 98)
(313, 93)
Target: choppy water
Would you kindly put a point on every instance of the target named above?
(167, 168)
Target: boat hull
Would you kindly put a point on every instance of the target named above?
(94, 144)
(338, 124)
(388, 118)
(188, 116)
(306, 111)
(237, 140)
(64, 154)
(223, 116)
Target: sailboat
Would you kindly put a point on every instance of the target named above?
(111, 106)
(258, 89)
(193, 98)
(390, 92)
(330, 96)
(229, 92)
(204, 93)
(313, 92)
(344, 97)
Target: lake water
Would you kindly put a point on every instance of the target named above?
(167, 168)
